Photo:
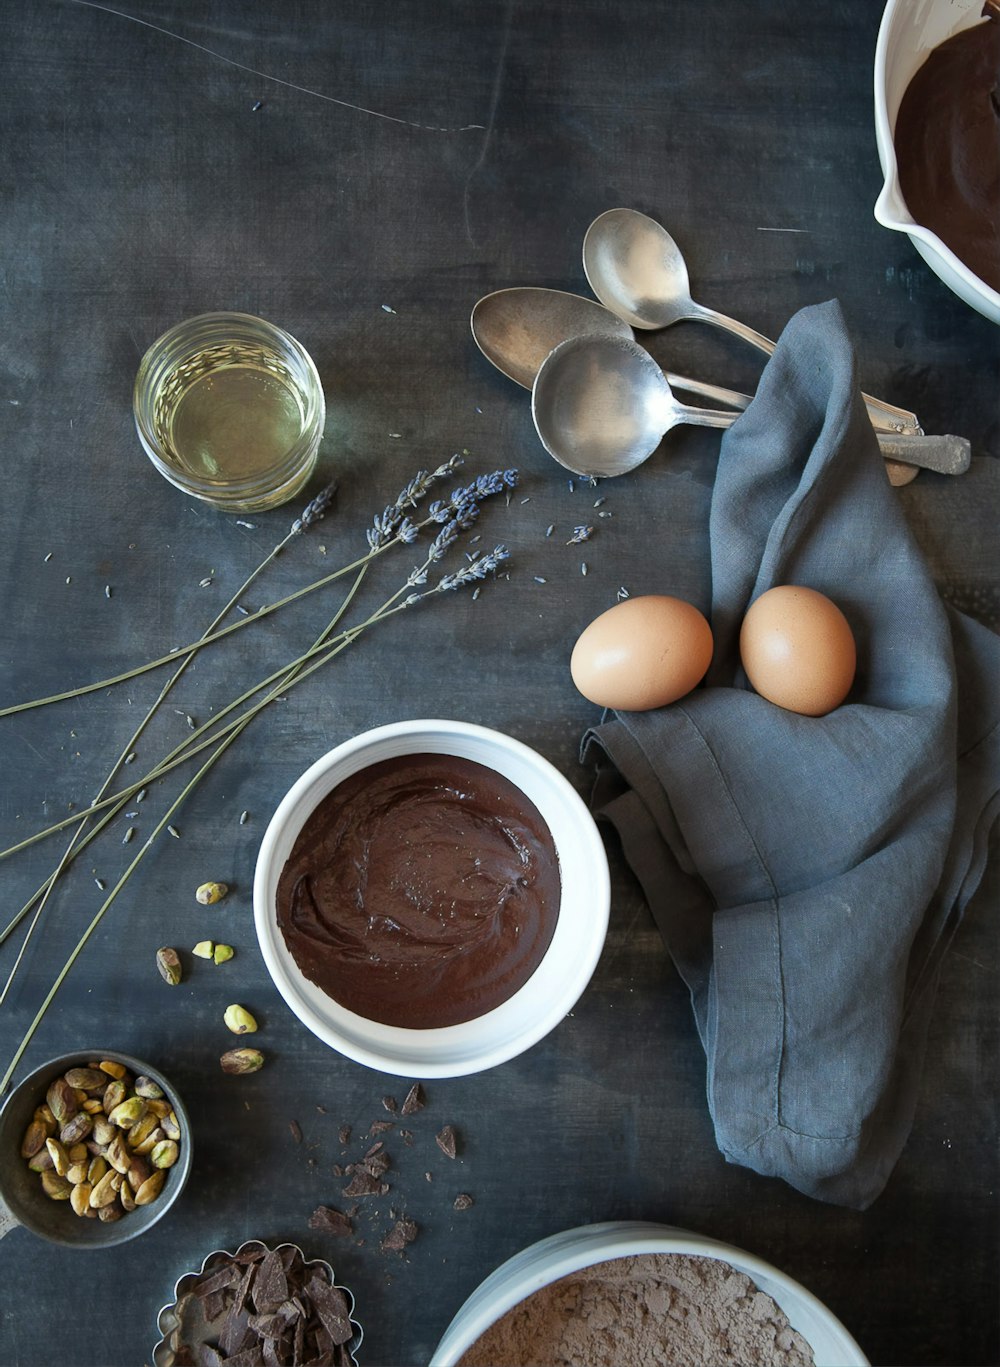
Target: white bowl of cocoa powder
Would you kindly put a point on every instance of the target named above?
(643, 1294)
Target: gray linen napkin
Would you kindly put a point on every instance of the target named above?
(807, 873)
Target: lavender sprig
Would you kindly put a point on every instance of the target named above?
(315, 510)
(385, 525)
(479, 568)
(580, 534)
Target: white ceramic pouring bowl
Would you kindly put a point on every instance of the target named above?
(910, 29)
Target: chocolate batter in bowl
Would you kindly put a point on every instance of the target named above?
(431, 898)
(938, 179)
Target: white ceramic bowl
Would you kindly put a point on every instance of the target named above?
(909, 30)
(557, 982)
(563, 1254)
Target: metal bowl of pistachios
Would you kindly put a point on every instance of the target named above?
(95, 1146)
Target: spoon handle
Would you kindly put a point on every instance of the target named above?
(732, 397)
(703, 417)
(885, 417)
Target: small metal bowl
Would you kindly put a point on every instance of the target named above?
(182, 1323)
(20, 1189)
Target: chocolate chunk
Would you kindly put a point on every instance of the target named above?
(332, 1308)
(403, 1232)
(414, 1100)
(376, 1165)
(337, 1170)
(270, 1287)
(375, 1148)
(296, 1130)
(365, 1184)
(207, 1356)
(463, 1201)
(380, 1126)
(447, 1141)
(331, 1221)
(389, 1102)
(214, 1281)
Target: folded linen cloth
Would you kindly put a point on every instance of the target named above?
(808, 873)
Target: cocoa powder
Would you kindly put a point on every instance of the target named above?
(652, 1310)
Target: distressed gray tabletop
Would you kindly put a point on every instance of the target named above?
(361, 174)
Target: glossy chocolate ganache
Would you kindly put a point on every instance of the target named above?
(947, 142)
(422, 892)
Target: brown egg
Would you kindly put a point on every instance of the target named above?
(642, 653)
(798, 650)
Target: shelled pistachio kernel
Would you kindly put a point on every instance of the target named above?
(223, 953)
(169, 964)
(239, 1020)
(240, 1061)
(204, 949)
(210, 893)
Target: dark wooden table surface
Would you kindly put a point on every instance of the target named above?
(360, 174)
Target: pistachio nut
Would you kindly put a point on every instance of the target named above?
(112, 1069)
(97, 1168)
(210, 893)
(60, 1158)
(204, 949)
(150, 1142)
(138, 1172)
(103, 1192)
(93, 1105)
(34, 1139)
(151, 1188)
(117, 1154)
(43, 1114)
(126, 1197)
(109, 1214)
(79, 1197)
(55, 1186)
(77, 1129)
(77, 1173)
(77, 1152)
(169, 964)
(87, 1079)
(41, 1162)
(148, 1089)
(239, 1061)
(239, 1020)
(103, 1131)
(142, 1129)
(128, 1112)
(165, 1154)
(61, 1101)
(223, 953)
(171, 1126)
(114, 1094)
(160, 1106)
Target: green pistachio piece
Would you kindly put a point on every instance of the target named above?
(165, 1155)
(169, 964)
(204, 949)
(223, 953)
(56, 1187)
(210, 893)
(240, 1061)
(239, 1020)
(128, 1112)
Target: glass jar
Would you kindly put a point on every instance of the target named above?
(230, 409)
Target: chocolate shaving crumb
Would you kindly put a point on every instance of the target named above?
(447, 1141)
(381, 1126)
(403, 1232)
(344, 1133)
(296, 1130)
(407, 1137)
(389, 1102)
(337, 1170)
(375, 1148)
(429, 1176)
(463, 1201)
(321, 1109)
(331, 1220)
(414, 1100)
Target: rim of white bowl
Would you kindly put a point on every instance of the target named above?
(890, 207)
(551, 991)
(561, 1255)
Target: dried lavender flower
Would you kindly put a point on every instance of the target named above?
(315, 510)
(484, 564)
(580, 534)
